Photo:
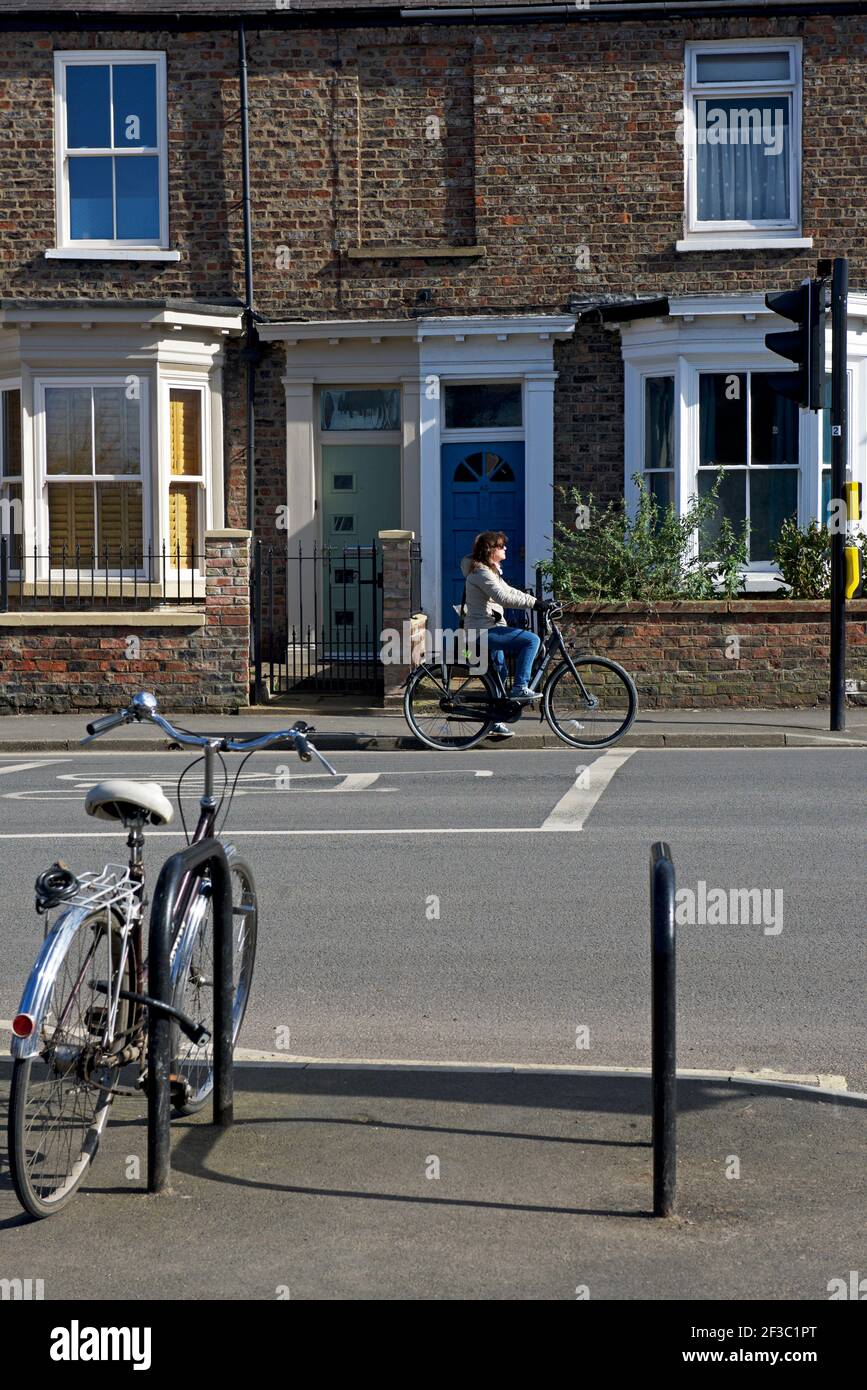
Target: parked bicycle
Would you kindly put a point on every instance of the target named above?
(83, 1016)
(588, 701)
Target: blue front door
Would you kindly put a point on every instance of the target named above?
(482, 490)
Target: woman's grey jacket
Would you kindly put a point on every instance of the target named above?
(488, 594)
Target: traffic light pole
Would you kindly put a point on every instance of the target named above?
(839, 454)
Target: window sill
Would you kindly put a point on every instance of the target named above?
(748, 243)
(103, 617)
(110, 253)
(429, 253)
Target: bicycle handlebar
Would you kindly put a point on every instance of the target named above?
(144, 707)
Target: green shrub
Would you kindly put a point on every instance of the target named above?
(646, 558)
(803, 558)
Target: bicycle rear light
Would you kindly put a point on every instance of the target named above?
(23, 1025)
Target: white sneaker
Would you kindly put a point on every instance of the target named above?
(501, 731)
(523, 692)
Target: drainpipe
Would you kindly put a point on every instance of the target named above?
(251, 351)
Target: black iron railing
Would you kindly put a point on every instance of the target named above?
(87, 577)
(317, 617)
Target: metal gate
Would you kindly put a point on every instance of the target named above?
(317, 619)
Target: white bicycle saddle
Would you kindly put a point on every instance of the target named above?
(120, 799)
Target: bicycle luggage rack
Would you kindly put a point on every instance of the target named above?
(210, 853)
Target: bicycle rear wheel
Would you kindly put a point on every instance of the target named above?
(193, 1063)
(449, 707)
(60, 1099)
(595, 710)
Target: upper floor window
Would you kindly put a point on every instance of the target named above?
(742, 138)
(110, 141)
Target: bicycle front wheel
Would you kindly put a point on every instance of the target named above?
(193, 1063)
(60, 1099)
(594, 710)
(449, 707)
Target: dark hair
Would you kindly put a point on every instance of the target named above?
(484, 546)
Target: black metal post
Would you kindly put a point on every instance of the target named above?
(664, 1014)
(257, 621)
(839, 453)
(4, 574)
(206, 853)
(250, 351)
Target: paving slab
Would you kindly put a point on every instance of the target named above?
(393, 1183)
(347, 728)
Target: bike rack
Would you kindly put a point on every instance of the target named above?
(663, 1029)
(210, 853)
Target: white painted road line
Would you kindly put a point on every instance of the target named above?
(572, 810)
(25, 767)
(234, 834)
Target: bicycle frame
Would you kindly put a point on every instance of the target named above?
(130, 903)
(552, 645)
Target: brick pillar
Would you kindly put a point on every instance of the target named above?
(397, 616)
(226, 667)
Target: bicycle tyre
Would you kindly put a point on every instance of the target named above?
(598, 671)
(28, 1074)
(192, 1064)
(422, 708)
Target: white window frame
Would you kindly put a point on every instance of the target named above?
(125, 249)
(686, 367)
(40, 385)
(716, 235)
(694, 468)
(177, 382)
(471, 434)
(14, 384)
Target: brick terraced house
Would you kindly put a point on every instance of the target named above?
(320, 270)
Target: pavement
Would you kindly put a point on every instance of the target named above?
(348, 727)
(378, 1182)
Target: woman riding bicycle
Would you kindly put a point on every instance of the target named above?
(486, 596)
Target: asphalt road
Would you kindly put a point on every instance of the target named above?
(419, 906)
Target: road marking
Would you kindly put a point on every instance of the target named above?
(25, 767)
(234, 834)
(347, 782)
(484, 774)
(572, 810)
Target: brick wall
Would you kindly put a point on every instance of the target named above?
(199, 661)
(555, 137)
(762, 653)
(569, 139)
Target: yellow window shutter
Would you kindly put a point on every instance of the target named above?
(70, 521)
(186, 432)
(120, 518)
(183, 521)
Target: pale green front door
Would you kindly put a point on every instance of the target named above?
(360, 498)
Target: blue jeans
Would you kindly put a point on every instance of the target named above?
(521, 643)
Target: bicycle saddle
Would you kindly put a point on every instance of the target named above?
(120, 799)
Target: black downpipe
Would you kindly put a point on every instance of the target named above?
(251, 351)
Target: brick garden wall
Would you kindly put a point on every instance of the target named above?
(199, 662)
(677, 653)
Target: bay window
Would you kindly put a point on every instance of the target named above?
(95, 449)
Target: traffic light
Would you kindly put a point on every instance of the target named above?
(805, 345)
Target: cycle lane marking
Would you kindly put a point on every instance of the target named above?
(572, 810)
(25, 767)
